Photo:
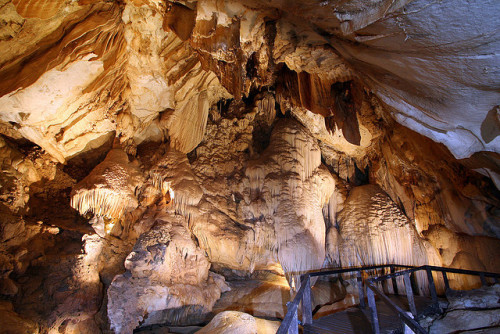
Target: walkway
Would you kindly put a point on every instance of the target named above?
(357, 320)
(387, 314)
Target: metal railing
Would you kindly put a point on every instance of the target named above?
(410, 321)
(290, 323)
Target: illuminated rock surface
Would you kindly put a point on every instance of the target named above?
(469, 311)
(372, 229)
(153, 152)
(238, 322)
(172, 174)
(165, 271)
(109, 190)
(289, 187)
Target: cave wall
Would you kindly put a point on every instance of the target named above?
(154, 150)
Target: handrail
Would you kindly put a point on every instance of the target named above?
(351, 269)
(409, 321)
(434, 268)
(291, 314)
(290, 321)
(415, 326)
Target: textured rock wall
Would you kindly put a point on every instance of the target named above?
(109, 190)
(165, 270)
(372, 229)
(289, 187)
(250, 137)
(469, 311)
(61, 80)
(230, 237)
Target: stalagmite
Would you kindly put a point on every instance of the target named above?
(166, 272)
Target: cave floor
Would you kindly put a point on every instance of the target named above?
(357, 320)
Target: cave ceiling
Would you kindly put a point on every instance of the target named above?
(75, 73)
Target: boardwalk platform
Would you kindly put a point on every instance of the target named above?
(357, 320)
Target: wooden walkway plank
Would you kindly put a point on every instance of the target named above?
(357, 321)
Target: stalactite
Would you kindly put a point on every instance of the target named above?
(374, 231)
(172, 174)
(109, 190)
(294, 186)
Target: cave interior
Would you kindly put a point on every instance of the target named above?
(172, 163)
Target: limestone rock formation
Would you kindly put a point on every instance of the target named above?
(109, 190)
(470, 310)
(172, 174)
(58, 70)
(240, 323)
(151, 150)
(165, 271)
(12, 323)
(372, 229)
(289, 186)
(232, 238)
(263, 297)
(482, 298)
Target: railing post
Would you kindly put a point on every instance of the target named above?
(373, 308)
(306, 301)
(294, 324)
(394, 282)
(446, 282)
(414, 282)
(409, 295)
(483, 279)
(359, 280)
(432, 286)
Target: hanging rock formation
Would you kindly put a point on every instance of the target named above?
(109, 190)
(289, 186)
(151, 150)
(173, 176)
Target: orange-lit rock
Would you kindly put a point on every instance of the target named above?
(239, 322)
(257, 139)
(109, 190)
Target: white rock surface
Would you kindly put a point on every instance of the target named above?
(166, 270)
(239, 323)
(109, 190)
(374, 231)
(289, 186)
